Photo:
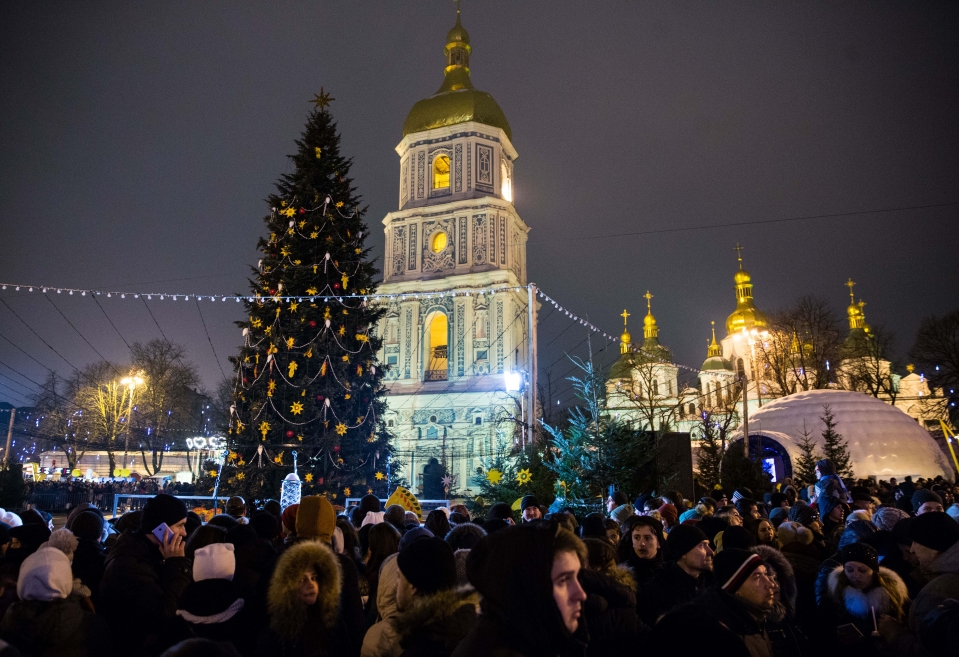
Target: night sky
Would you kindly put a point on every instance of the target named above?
(140, 139)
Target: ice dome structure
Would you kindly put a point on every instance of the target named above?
(883, 441)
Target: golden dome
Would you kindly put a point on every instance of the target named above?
(626, 340)
(649, 320)
(746, 316)
(456, 101)
(742, 276)
(626, 337)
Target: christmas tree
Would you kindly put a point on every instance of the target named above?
(805, 469)
(306, 377)
(834, 447)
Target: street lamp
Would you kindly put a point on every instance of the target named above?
(132, 382)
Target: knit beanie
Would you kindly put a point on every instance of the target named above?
(734, 566)
(622, 512)
(922, 496)
(372, 518)
(778, 515)
(63, 540)
(429, 565)
(414, 535)
(500, 510)
(32, 517)
(316, 518)
(265, 524)
(669, 514)
(162, 509)
(214, 561)
(804, 515)
(936, 531)
(620, 497)
(794, 532)
(861, 552)
(88, 525)
(886, 517)
(856, 531)
(44, 576)
(528, 500)
(465, 536)
(681, 540)
(737, 537)
(11, 519)
(31, 536)
(288, 518)
(689, 514)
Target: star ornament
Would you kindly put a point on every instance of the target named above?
(380, 476)
(494, 476)
(447, 481)
(341, 428)
(523, 476)
(322, 100)
(296, 408)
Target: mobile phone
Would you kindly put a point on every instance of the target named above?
(163, 533)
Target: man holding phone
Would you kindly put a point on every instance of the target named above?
(146, 573)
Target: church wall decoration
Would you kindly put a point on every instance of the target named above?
(499, 340)
(405, 168)
(479, 239)
(460, 337)
(409, 339)
(399, 250)
(458, 166)
(412, 262)
(469, 168)
(492, 239)
(420, 173)
(463, 253)
(502, 240)
(484, 166)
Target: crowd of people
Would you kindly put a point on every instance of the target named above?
(832, 569)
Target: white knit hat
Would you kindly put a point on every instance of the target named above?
(12, 519)
(372, 518)
(45, 575)
(214, 561)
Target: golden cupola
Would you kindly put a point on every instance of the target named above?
(746, 316)
(625, 340)
(650, 329)
(456, 101)
(714, 355)
(854, 312)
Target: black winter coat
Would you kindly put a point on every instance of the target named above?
(671, 587)
(60, 628)
(435, 625)
(610, 611)
(140, 590)
(88, 565)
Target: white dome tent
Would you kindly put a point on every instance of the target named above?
(883, 441)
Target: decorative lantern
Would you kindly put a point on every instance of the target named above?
(291, 488)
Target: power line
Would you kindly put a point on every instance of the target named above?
(38, 336)
(210, 340)
(75, 328)
(94, 297)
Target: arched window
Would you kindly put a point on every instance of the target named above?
(692, 409)
(740, 367)
(441, 171)
(655, 387)
(439, 241)
(437, 357)
(432, 433)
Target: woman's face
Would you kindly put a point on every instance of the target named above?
(766, 532)
(613, 535)
(645, 542)
(858, 574)
(309, 587)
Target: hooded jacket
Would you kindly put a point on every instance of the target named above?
(140, 589)
(296, 629)
(381, 639)
(671, 587)
(610, 610)
(59, 628)
(435, 624)
(512, 569)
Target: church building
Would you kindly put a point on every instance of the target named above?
(455, 268)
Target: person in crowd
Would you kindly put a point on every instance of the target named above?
(808, 516)
(368, 504)
(828, 483)
(465, 536)
(531, 596)
(729, 617)
(856, 589)
(266, 525)
(730, 515)
(223, 520)
(613, 530)
(304, 604)
(25, 540)
(781, 621)
(926, 501)
(833, 514)
(669, 516)
(621, 508)
(145, 573)
(89, 558)
(236, 509)
(615, 499)
(48, 620)
(205, 535)
(935, 544)
(255, 559)
(501, 511)
(529, 508)
(687, 571)
(396, 516)
(381, 639)
(610, 607)
(763, 531)
(434, 616)
(862, 500)
(593, 526)
(438, 523)
(748, 508)
(384, 540)
(778, 515)
(738, 538)
(641, 548)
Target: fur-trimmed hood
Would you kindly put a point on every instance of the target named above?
(785, 576)
(288, 617)
(890, 597)
(442, 619)
(622, 574)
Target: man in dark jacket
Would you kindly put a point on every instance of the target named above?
(88, 558)
(738, 604)
(689, 564)
(144, 577)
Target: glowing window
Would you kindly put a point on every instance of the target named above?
(438, 241)
(441, 172)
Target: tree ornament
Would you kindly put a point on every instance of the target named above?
(380, 476)
(319, 398)
(523, 477)
(336, 449)
(494, 476)
(341, 428)
(346, 491)
(264, 428)
(296, 409)
(291, 368)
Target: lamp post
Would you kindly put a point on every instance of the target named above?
(131, 382)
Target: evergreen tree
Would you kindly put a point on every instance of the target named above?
(740, 471)
(804, 470)
(709, 457)
(834, 447)
(306, 377)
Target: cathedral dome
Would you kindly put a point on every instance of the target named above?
(747, 318)
(883, 441)
(456, 101)
(742, 276)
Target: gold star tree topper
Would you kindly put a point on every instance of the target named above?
(322, 100)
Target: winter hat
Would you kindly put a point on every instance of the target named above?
(265, 524)
(288, 518)
(886, 517)
(209, 601)
(953, 512)
(162, 509)
(63, 540)
(44, 576)
(31, 536)
(860, 494)
(622, 512)
(500, 510)
(4, 533)
(778, 515)
(733, 567)
(669, 514)
(804, 514)
(827, 504)
(495, 525)
(681, 540)
(438, 523)
(414, 535)
(741, 493)
(429, 565)
(11, 519)
(88, 525)
(922, 496)
(193, 522)
(738, 538)
(594, 526)
(372, 518)
(861, 552)
(856, 531)
(690, 514)
(794, 532)
(465, 536)
(936, 531)
(825, 467)
(620, 497)
(316, 518)
(33, 517)
(528, 500)
(214, 561)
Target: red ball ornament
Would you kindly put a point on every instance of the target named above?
(336, 448)
(312, 323)
(290, 433)
(245, 380)
(319, 398)
(272, 291)
(302, 210)
(319, 481)
(336, 286)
